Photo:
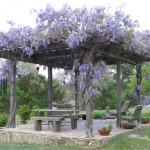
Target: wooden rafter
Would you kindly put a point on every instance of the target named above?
(58, 54)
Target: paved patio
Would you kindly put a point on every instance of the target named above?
(76, 137)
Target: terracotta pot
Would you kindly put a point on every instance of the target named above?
(104, 132)
(145, 121)
(128, 125)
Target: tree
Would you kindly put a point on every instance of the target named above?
(35, 89)
(26, 68)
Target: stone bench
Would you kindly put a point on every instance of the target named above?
(56, 123)
(73, 118)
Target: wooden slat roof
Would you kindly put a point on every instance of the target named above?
(58, 54)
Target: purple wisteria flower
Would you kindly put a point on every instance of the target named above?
(90, 91)
(146, 100)
(147, 77)
(138, 88)
(71, 84)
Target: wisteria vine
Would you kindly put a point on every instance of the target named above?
(75, 26)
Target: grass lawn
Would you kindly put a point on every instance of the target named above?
(26, 146)
(145, 110)
(139, 140)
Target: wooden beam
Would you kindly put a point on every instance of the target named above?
(98, 39)
(118, 93)
(53, 46)
(36, 59)
(117, 56)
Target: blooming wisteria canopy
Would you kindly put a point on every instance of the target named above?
(61, 35)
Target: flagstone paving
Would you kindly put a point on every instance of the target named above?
(76, 137)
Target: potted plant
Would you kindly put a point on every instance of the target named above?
(105, 130)
(145, 119)
(128, 124)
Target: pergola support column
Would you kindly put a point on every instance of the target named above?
(88, 99)
(76, 90)
(138, 87)
(118, 93)
(89, 110)
(49, 88)
(12, 116)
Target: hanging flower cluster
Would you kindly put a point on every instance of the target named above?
(94, 73)
(75, 26)
(146, 100)
(6, 71)
(147, 77)
(138, 88)
(3, 85)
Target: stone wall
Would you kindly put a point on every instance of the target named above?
(38, 138)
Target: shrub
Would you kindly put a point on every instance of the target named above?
(146, 114)
(97, 115)
(145, 118)
(131, 120)
(24, 113)
(35, 113)
(3, 119)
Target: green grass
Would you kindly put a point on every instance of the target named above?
(145, 110)
(27, 146)
(140, 141)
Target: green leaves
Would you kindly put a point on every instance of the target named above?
(109, 127)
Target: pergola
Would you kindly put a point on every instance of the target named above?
(59, 55)
(89, 36)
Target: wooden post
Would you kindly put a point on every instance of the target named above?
(76, 90)
(82, 102)
(138, 87)
(89, 110)
(118, 93)
(49, 89)
(12, 117)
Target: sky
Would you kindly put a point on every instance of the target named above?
(19, 10)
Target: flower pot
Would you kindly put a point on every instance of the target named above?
(128, 125)
(145, 121)
(104, 132)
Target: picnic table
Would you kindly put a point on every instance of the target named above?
(56, 111)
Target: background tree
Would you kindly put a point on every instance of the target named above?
(26, 68)
(145, 84)
(32, 88)
(36, 89)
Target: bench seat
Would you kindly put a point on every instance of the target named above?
(56, 123)
(73, 118)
